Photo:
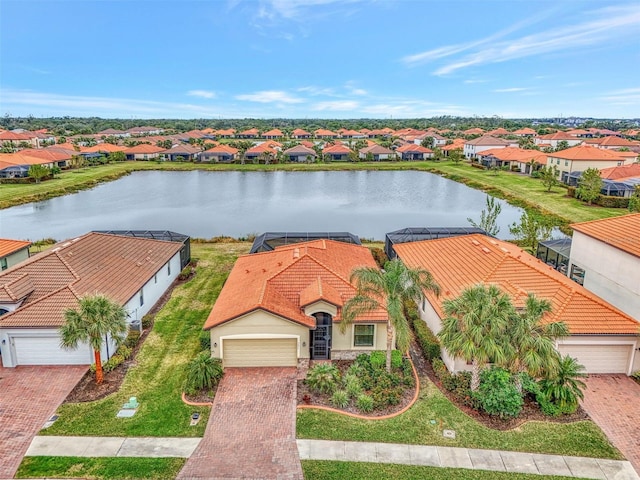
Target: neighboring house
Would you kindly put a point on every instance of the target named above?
(553, 139)
(605, 258)
(274, 134)
(473, 131)
(184, 153)
(12, 252)
(260, 151)
(219, 153)
(381, 132)
(473, 147)
(516, 158)
(376, 152)
(499, 132)
(438, 140)
(143, 151)
(135, 272)
(229, 133)
(51, 156)
(112, 132)
(336, 153)
(411, 151)
(300, 134)
(345, 133)
(611, 142)
(145, 131)
(105, 148)
(282, 306)
(525, 132)
(323, 133)
(15, 139)
(582, 157)
(300, 153)
(251, 133)
(458, 144)
(602, 338)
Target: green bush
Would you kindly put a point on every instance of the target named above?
(133, 337)
(186, 273)
(365, 403)
(378, 359)
(498, 394)
(112, 363)
(203, 372)
(536, 174)
(564, 387)
(340, 399)
(205, 340)
(439, 368)
(612, 202)
(426, 339)
(125, 351)
(396, 359)
(147, 321)
(636, 375)
(352, 385)
(379, 256)
(323, 378)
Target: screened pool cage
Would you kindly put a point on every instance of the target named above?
(555, 253)
(416, 234)
(610, 188)
(270, 240)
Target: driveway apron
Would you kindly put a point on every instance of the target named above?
(613, 402)
(29, 396)
(251, 430)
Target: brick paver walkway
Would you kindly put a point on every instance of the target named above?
(28, 397)
(252, 429)
(613, 402)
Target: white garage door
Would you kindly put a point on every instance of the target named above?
(264, 352)
(600, 358)
(47, 351)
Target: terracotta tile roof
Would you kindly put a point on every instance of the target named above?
(104, 147)
(9, 246)
(262, 148)
(413, 148)
(143, 148)
(610, 141)
(376, 150)
(487, 140)
(111, 131)
(292, 276)
(53, 155)
(525, 131)
(251, 132)
(324, 133)
(227, 132)
(298, 132)
(16, 289)
(14, 137)
(307, 143)
(474, 131)
(67, 146)
(618, 173)
(187, 149)
(459, 262)
(273, 133)
(20, 158)
(338, 148)
(515, 154)
(116, 266)
(223, 149)
(620, 232)
(585, 152)
(499, 131)
(558, 136)
(300, 150)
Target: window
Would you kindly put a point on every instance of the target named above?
(3, 264)
(169, 268)
(155, 278)
(424, 304)
(141, 298)
(363, 335)
(566, 163)
(577, 274)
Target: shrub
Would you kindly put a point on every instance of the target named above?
(396, 359)
(536, 174)
(497, 393)
(125, 351)
(612, 202)
(365, 403)
(186, 273)
(636, 375)
(340, 398)
(564, 388)
(323, 378)
(439, 368)
(205, 340)
(147, 321)
(427, 340)
(379, 256)
(352, 385)
(378, 359)
(571, 192)
(112, 363)
(133, 337)
(203, 372)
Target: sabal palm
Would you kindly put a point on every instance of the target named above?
(474, 327)
(96, 317)
(389, 289)
(532, 343)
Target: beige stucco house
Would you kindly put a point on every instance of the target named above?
(12, 252)
(285, 305)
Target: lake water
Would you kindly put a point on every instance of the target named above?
(207, 204)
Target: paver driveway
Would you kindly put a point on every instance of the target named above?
(613, 402)
(252, 428)
(28, 397)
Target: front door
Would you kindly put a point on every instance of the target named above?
(321, 337)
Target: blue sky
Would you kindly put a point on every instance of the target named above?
(319, 58)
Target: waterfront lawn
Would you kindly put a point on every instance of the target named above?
(331, 470)
(118, 468)
(158, 375)
(414, 427)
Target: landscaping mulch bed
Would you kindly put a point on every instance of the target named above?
(308, 397)
(202, 397)
(86, 390)
(530, 410)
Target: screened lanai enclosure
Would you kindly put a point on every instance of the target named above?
(610, 188)
(416, 234)
(270, 240)
(165, 235)
(555, 253)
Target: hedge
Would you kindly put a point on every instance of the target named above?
(612, 202)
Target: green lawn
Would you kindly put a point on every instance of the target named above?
(328, 470)
(518, 189)
(120, 468)
(157, 378)
(415, 427)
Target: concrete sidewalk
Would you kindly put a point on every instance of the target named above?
(475, 459)
(112, 447)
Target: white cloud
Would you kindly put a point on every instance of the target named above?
(510, 89)
(625, 96)
(269, 96)
(316, 91)
(202, 93)
(337, 105)
(293, 9)
(605, 25)
(471, 81)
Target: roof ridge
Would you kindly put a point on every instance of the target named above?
(35, 302)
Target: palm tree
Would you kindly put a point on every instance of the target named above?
(96, 318)
(532, 344)
(474, 327)
(564, 388)
(388, 289)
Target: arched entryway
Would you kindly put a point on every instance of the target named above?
(321, 337)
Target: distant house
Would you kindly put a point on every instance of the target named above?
(11, 138)
(499, 132)
(300, 153)
(411, 151)
(582, 157)
(12, 252)
(525, 132)
(473, 131)
(554, 138)
(145, 131)
(346, 133)
(259, 152)
(605, 259)
(381, 132)
(274, 134)
(336, 153)
(602, 337)
(300, 134)
(251, 133)
(325, 134)
(229, 133)
(611, 142)
(112, 132)
(516, 158)
(473, 147)
(458, 144)
(376, 152)
(184, 153)
(34, 294)
(144, 151)
(220, 153)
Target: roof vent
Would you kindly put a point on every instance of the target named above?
(493, 242)
(475, 242)
(66, 244)
(486, 250)
(504, 250)
(296, 253)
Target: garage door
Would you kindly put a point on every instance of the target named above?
(264, 352)
(600, 358)
(47, 351)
